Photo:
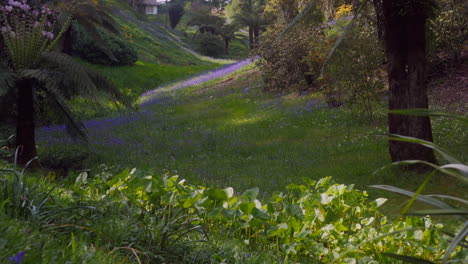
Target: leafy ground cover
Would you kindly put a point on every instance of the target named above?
(261, 160)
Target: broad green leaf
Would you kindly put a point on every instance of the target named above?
(251, 194)
(380, 201)
(320, 213)
(217, 194)
(325, 198)
(260, 214)
(294, 211)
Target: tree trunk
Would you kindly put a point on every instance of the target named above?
(67, 42)
(226, 46)
(251, 37)
(378, 8)
(406, 53)
(256, 33)
(25, 127)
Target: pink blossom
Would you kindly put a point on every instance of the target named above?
(8, 8)
(35, 13)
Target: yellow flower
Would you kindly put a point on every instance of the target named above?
(343, 10)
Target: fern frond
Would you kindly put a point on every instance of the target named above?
(75, 127)
(7, 81)
(73, 72)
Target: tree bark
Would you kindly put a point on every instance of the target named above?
(25, 126)
(378, 8)
(256, 34)
(67, 42)
(226, 46)
(405, 44)
(251, 37)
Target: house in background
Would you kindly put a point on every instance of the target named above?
(149, 7)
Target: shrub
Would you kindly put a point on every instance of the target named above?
(85, 47)
(352, 77)
(62, 159)
(176, 11)
(209, 44)
(283, 64)
(448, 30)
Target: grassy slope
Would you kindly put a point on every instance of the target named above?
(229, 133)
(164, 56)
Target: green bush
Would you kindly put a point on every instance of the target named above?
(176, 11)
(283, 63)
(352, 76)
(87, 48)
(209, 45)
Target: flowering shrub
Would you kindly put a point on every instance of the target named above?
(343, 10)
(27, 31)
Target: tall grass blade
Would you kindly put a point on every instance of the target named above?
(439, 212)
(449, 157)
(460, 236)
(408, 259)
(421, 198)
(428, 112)
(448, 197)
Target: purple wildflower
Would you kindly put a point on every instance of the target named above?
(18, 258)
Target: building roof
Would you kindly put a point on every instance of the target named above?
(150, 2)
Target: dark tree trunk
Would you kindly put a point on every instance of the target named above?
(67, 42)
(256, 34)
(226, 46)
(25, 127)
(251, 37)
(405, 44)
(378, 8)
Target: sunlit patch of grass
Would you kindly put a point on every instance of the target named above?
(230, 133)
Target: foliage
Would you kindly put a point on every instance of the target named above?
(85, 47)
(209, 44)
(448, 30)
(283, 70)
(456, 169)
(176, 11)
(316, 220)
(354, 76)
(42, 75)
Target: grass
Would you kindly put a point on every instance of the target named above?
(226, 132)
(229, 133)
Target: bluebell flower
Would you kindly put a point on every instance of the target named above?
(18, 258)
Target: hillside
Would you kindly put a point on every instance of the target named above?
(153, 41)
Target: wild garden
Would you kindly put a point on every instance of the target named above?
(242, 131)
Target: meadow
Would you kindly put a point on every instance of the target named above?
(252, 173)
(227, 132)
